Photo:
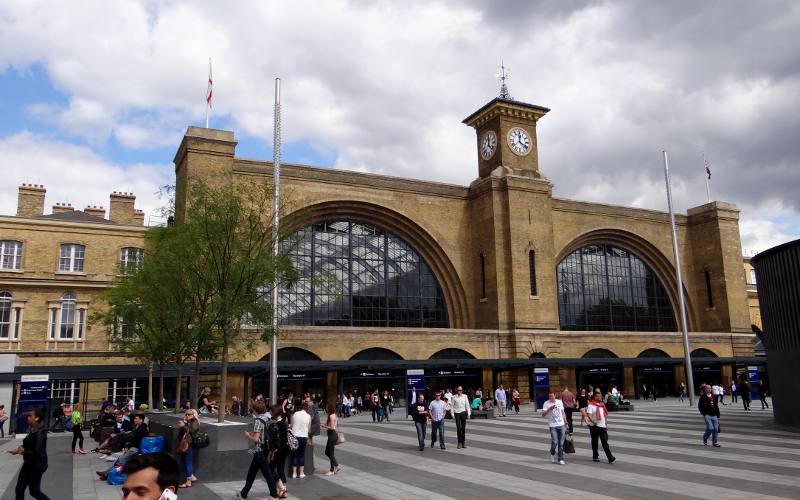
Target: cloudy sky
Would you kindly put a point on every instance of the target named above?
(95, 96)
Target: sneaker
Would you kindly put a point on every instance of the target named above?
(705, 443)
(294, 476)
(74, 452)
(301, 476)
(561, 462)
(421, 448)
(552, 459)
(716, 445)
(595, 460)
(82, 451)
(433, 443)
(611, 460)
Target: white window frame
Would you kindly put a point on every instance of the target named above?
(56, 318)
(125, 260)
(11, 250)
(752, 276)
(73, 261)
(68, 391)
(13, 327)
(121, 388)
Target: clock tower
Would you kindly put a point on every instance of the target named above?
(506, 135)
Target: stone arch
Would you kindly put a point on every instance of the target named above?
(294, 354)
(376, 354)
(653, 353)
(702, 352)
(408, 230)
(537, 355)
(451, 353)
(599, 353)
(652, 256)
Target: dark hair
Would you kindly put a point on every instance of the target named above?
(331, 408)
(259, 406)
(166, 466)
(140, 415)
(38, 414)
(276, 411)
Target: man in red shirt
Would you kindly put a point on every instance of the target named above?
(568, 399)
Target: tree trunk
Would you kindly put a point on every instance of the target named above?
(223, 385)
(150, 385)
(160, 386)
(178, 382)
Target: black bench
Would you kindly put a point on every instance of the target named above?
(621, 408)
(482, 414)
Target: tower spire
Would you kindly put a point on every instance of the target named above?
(503, 75)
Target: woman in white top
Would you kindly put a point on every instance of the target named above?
(301, 421)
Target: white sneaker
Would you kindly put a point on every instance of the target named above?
(553, 458)
(294, 476)
(561, 462)
(302, 476)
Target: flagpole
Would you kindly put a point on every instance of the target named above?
(276, 172)
(706, 174)
(209, 92)
(676, 254)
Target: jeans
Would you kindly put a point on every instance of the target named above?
(764, 402)
(185, 460)
(299, 456)
(680, 396)
(712, 426)
(77, 436)
(421, 433)
(2, 424)
(437, 427)
(386, 412)
(602, 434)
(132, 452)
(330, 449)
(259, 462)
(461, 426)
(557, 441)
(30, 476)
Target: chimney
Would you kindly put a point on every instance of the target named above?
(138, 216)
(30, 201)
(98, 212)
(121, 210)
(60, 208)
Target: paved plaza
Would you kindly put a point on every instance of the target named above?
(658, 448)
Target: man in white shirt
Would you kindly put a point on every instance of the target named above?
(596, 416)
(500, 400)
(460, 411)
(553, 409)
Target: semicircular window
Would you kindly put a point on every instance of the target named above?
(356, 274)
(606, 288)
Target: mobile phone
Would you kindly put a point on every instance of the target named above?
(168, 494)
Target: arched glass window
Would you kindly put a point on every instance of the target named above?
(5, 315)
(603, 287)
(357, 274)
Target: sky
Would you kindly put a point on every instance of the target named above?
(96, 95)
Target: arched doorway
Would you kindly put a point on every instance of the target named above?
(599, 375)
(361, 383)
(376, 354)
(297, 382)
(450, 376)
(704, 373)
(654, 380)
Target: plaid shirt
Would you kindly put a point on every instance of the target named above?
(437, 409)
(258, 426)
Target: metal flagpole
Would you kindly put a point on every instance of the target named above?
(676, 254)
(706, 174)
(276, 165)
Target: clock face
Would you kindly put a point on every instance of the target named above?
(488, 145)
(519, 141)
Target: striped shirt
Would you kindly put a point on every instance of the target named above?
(437, 409)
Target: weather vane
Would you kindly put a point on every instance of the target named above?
(503, 75)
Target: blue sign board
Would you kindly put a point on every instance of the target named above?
(541, 386)
(415, 384)
(753, 378)
(32, 394)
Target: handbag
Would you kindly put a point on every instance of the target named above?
(569, 445)
(340, 438)
(183, 446)
(292, 441)
(201, 439)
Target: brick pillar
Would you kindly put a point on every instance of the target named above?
(566, 376)
(680, 376)
(628, 384)
(488, 383)
(331, 387)
(727, 375)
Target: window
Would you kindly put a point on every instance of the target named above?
(71, 259)
(130, 259)
(119, 389)
(483, 276)
(752, 276)
(532, 266)
(709, 296)
(68, 391)
(5, 315)
(67, 318)
(606, 288)
(352, 273)
(10, 254)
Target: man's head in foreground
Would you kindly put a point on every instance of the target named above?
(149, 475)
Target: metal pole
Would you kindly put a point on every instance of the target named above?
(276, 165)
(705, 174)
(677, 256)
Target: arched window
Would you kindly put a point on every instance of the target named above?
(599, 353)
(376, 354)
(452, 353)
(293, 354)
(537, 355)
(652, 353)
(67, 318)
(10, 255)
(71, 258)
(357, 274)
(702, 353)
(603, 287)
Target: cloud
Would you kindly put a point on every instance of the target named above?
(385, 85)
(75, 174)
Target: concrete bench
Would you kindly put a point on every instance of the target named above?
(483, 414)
(622, 408)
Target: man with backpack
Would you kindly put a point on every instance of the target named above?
(260, 450)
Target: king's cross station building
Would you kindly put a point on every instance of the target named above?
(476, 285)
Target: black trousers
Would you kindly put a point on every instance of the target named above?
(330, 449)
(602, 434)
(461, 426)
(279, 465)
(77, 436)
(568, 412)
(259, 463)
(30, 477)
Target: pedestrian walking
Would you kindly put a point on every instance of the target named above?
(461, 412)
(568, 400)
(301, 423)
(75, 424)
(332, 425)
(3, 418)
(419, 413)
(515, 400)
(34, 457)
(762, 394)
(189, 427)
(437, 410)
(721, 390)
(583, 402)
(596, 415)
(682, 392)
(734, 394)
(744, 392)
(509, 400)
(500, 400)
(553, 409)
(260, 449)
(709, 408)
(385, 404)
(277, 431)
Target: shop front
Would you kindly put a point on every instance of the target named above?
(296, 382)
